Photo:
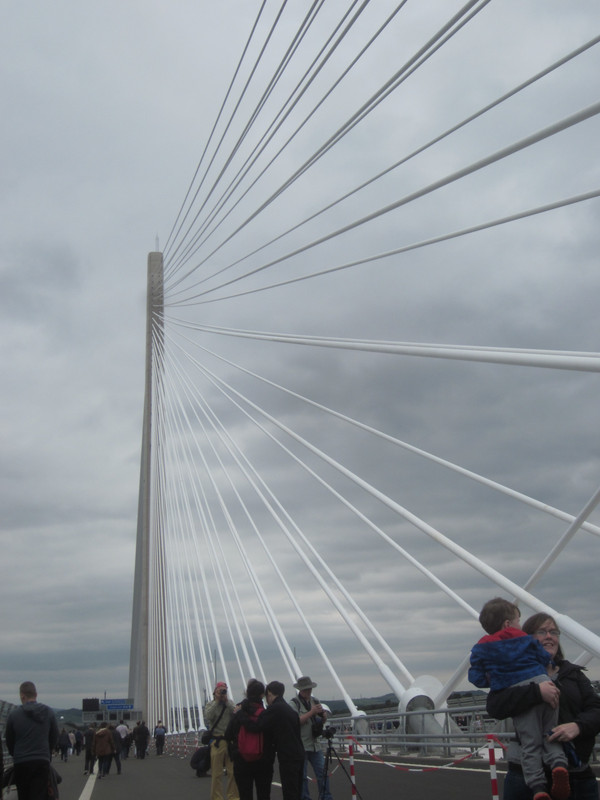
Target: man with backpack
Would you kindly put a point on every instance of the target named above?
(312, 720)
(252, 753)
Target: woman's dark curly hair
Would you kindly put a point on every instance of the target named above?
(534, 622)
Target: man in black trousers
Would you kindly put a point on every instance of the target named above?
(282, 723)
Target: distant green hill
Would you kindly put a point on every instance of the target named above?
(68, 716)
(389, 702)
(364, 703)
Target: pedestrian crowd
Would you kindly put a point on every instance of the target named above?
(242, 741)
(554, 708)
(32, 738)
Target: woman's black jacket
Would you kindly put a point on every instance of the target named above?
(282, 723)
(578, 703)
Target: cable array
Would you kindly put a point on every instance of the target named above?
(298, 498)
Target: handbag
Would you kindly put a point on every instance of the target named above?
(53, 780)
(8, 778)
(200, 761)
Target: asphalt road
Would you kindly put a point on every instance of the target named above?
(171, 778)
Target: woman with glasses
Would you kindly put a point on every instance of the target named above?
(578, 714)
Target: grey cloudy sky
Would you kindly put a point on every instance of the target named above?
(107, 108)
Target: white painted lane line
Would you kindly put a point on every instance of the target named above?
(88, 788)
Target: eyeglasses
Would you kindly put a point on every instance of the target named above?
(554, 632)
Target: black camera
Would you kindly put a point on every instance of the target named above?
(329, 732)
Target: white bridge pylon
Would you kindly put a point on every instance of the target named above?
(328, 484)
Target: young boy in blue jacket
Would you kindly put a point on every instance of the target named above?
(509, 657)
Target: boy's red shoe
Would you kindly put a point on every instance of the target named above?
(561, 788)
(541, 796)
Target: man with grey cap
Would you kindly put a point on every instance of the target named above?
(312, 719)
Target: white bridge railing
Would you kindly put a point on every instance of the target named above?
(384, 735)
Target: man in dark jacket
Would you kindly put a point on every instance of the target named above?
(282, 723)
(31, 736)
(141, 736)
(88, 741)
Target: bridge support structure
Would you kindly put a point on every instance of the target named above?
(421, 697)
(140, 662)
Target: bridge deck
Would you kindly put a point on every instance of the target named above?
(170, 776)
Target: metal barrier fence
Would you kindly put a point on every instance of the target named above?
(5, 709)
(385, 733)
(461, 730)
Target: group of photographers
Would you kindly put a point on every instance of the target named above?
(291, 731)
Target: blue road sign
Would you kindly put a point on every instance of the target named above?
(117, 704)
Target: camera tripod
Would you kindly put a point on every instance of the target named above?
(329, 754)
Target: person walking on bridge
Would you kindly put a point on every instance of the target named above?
(116, 757)
(63, 744)
(103, 749)
(141, 737)
(159, 737)
(31, 736)
(88, 743)
(124, 734)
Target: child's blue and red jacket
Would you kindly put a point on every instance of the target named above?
(505, 658)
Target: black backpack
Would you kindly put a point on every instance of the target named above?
(200, 761)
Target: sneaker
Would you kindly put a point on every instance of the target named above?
(561, 788)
